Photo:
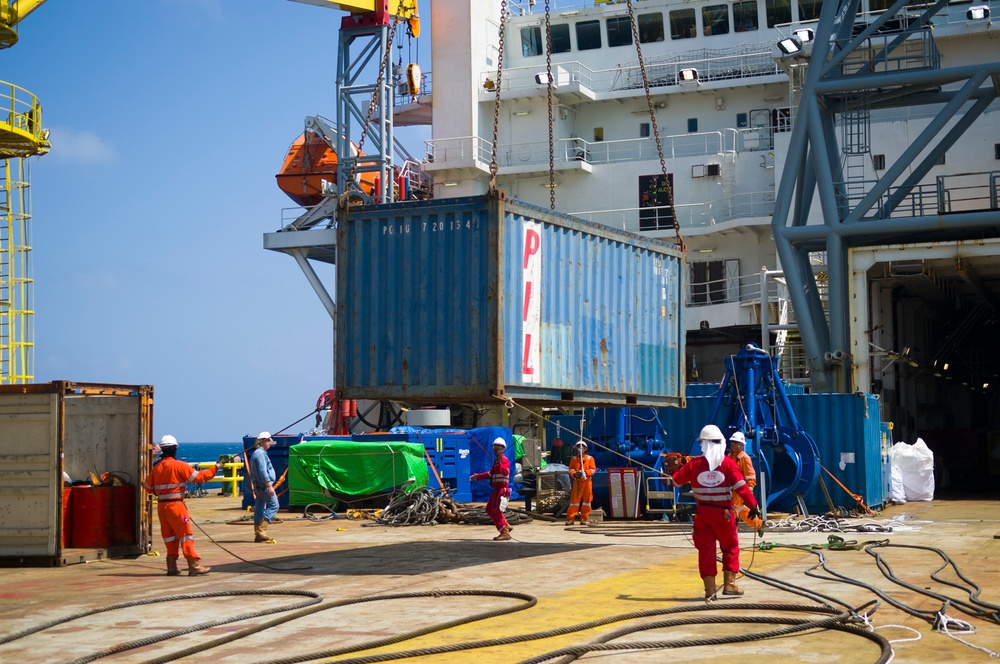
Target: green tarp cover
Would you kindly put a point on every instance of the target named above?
(318, 468)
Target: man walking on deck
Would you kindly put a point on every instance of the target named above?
(168, 481)
(262, 478)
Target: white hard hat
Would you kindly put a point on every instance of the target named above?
(264, 435)
(581, 443)
(500, 441)
(711, 432)
(168, 441)
(738, 437)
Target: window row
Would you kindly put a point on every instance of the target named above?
(718, 19)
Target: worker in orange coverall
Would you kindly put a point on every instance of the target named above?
(713, 479)
(168, 482)
(499, 477)
(736, 444)
(581, 469)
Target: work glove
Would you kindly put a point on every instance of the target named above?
(674, 460)
(580, 475)
(754, 513)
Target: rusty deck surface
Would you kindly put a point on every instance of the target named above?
(565, 577)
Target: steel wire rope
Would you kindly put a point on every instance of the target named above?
(975, 607)
(795, 625)
(314, 598)
(242, 559)
(570, 629)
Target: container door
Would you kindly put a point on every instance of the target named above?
(30, 476)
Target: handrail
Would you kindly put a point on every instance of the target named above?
(230, 479)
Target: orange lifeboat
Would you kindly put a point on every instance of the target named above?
(310, 161)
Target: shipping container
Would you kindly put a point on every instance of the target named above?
(55, 438)
(483, 298)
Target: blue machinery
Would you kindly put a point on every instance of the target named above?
(752, 399)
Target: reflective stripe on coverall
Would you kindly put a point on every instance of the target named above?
(714, 519)
(745, 464)
(168, 481)
(498, 475)
(583, 489)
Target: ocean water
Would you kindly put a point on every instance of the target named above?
(197, 452)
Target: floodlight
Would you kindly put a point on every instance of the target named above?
(805, 35)
(979, 13)
(790, 46)
(687, 75)
(543, 78)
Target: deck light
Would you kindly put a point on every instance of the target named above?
(687, 76)
(805, 35)
(980, 13)
(544, 78)
(790, 46)
(451, 183)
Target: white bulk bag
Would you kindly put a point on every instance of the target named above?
(916, 469)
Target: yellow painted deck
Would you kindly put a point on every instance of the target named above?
(576, 574)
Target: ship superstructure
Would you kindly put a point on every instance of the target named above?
(675, 120)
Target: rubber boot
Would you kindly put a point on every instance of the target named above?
(260, 533)
(195, 568)
(172, 567)
(504, 534)
(709, 588)
(730, 587)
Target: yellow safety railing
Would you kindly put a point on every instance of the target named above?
(230, 476)
(21, 131)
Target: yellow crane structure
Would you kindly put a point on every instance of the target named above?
(21, 136)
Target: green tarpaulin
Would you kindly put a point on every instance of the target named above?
(317, 469)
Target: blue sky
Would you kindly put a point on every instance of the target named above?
(169, 120)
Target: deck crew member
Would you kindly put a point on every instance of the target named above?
(737, 443)
(499, 477)
(262, 478)
(168, 481)
(581, 468)
(713, 479)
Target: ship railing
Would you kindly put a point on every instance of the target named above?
(747, 60)
(694, 215)
(229, 477)
(458, 149)
(467, 149)
(951, 193)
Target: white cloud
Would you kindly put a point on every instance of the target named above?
(83, 147)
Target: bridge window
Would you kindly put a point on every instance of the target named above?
(650, 28)
(683, 24)
(588, 35)
(531, 42)
(809, 9)
(560, 38)
(778, 11)
(643, 130)
(619, 31)
(878, 162)
(745, 16)
(715, 19)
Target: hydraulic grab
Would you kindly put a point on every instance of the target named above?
(752, 399)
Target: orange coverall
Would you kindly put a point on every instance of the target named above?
(583, 489)
(168, 481)
(746, 467)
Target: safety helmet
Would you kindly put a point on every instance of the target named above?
(264, 435)
(580, 443)
(500, 441)
(711, 432)
(168, 441)
(738, 437)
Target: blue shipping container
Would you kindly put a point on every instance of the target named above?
(475, 299)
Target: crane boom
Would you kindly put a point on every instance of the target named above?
(12, 13)
(379, 11)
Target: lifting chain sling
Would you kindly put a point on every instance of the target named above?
(496, 103)
(551, 84)
(344, 202)
(652, 118)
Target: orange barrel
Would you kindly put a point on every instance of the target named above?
(122, 514)
(90, 509)
(67, 492)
